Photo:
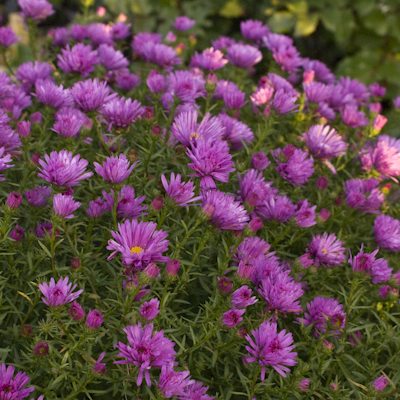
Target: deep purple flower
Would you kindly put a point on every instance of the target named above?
(43, 229)
(380, 383)
(60, 293)
(162, 55)
(37, 10)
(321, 71)
(316, 91)
(232, 317)
(243, 55)
(387, 232)
(228, 213)
(376, 90)
(322, 182)
(271, 348)
(4, 162)
(172, 383)
(127, 81)
(90, 95)
(128, 206)
(26, 331)
(121, 31)
(150, 309)
(139, 243)
(37, 197)
(62, 169)
(94, 319)
(224, 86)
(64, 205)
(364, 195)
(79, 32)
(112, 59)
(281, 293)
(14, 200)
(120, 112)
(234, 99)
(260, 161)
(209, 59)
(253, 30)
(241, 298)
(352, 337)
(12, 388)
(99, 367)
(69, 122)
(305, 214)
(187, 131)
(114, 169)
(50, 94)
(250, 249)
(17, 233)
(76, 311)
(324, 313)
(41, 349)
(144, 41)
(181, 192)
(61, 36)
(145, 351)
(210, 161)
(277, 207)
(183, 23)
(352, 117)
(8, 36)
(80, 59)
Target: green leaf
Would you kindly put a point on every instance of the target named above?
(232, 9)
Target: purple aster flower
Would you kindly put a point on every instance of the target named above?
(127, 81)
(234, 99)
(281, 292)
(48, 93)
(396, 102)
(277, 207)
(13, 387)
(260, 161)
(143, 42)
(121, 31)
(241, 298)
(37, 197)
(223, 42)
(305, 214)
(58, 294)
(325, 250)
(304, 384)
(181, 192)
(61, 36)
(196, 391)
(186, 85)
(316, 91)
(96, 208)
(376, 90)
(352, 117)
(228, 213)
(250, 249)
(37, 10)
(210, 161)
(253, 30)
(90, 95)
(43, 229)
(280, 83)
(69, 122)
(99, 33)
(364, 195)
(115, 169)
(76, 311)
(356, 88)
(224, 284)
(187, 131)
(321, 71)
(232, 318)
(380, 383)
(16, 102)
(150, 309)
(139, 243)
(99, 367)
(62, 169)
(172, 383)
(183, 23)
(145, 351)
(128, 206)
(24, 128)
(162, 55)
(155, 81)
(64, 205)
(9, 139)
(243, 55)
(324, 111)
(120, 112)
(324, 314)
(28, 73)
(209, 59)
(293, 165)
(8, 36)
(79, 32)
(387, 290)
(112, 59)
(4, 160)
(353, 336)
(17, 233)
(80, 59)
(224, 86)
(324, 143)
(94, 319)
(387, 232)
(271, 348)
(170, 37)
(283, 103)
(14, 200)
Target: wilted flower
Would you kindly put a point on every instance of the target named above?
(14, 200)
(17, 233)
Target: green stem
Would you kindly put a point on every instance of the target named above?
(6, 63)
(180, 245)
(170, 119)
(53, 253)
(65, 330)
(153, 141)
(114, 209)
(32, 27)
(100, 136)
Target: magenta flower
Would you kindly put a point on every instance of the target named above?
(250, 249)
(352, 117)
(41, 349)
(303, 384)
(196, 391)
(50, 94)
(9, 139)
(28, 73)
(210, 161)
(122, 113)
(112, 59)
(76, 311)
(271, 348)
(99, 33)
(232, 318)
(64, 205)
(139, 243)
(14, 200)
(209, 59)
(99, 367)
(121, 31)
(181, 192)
(145, 350)
(62, 169)
(80, 59)
(387, 232)
(94, 319)
(8, 36)
(58, 294)
(241, 298)
(380, 383)
(364, 195)
(227, 213)
(150, 309)
(236, 132)
(305, 214)
(260, 161)
(253, 30)
(115, 169)
(127, 81)
(234, 99)
(37, 10)
(243, 55)
(96, 208)
(277, 207)
(17, 233)
(324, 314)
(4, 162)
(183, 23)
(69, 122)
(13, 387)
(155, 81)
(172, 383)
(186, 85)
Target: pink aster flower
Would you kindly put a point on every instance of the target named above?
(68, 122)
(37, 10)
(62, 169)
(127, 81)
(305, 214)
(139, 243)
(241, 298)
(271, 348)
(99, 367)
(48, 93)
(364, 195)
(76, 311)
(209, 59)
(196, 391)
(380, 383)
(146, 350)
(172, 383)
(80, 59)
(210, 161)
(28, 73)
(150, 309)
(121, 113)
(13, 387)
(181, 192)
(387, 232)
(232, 318)
(4, 160)
(114, 169)
(96, 208)
(94, 319)
(112, 59)
(227, 213)
(64, 205)
(186, 85)
(183, 23)
(324, 314)
(260, 161)
(60, 293)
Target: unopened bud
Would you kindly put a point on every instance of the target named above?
(338, 201)
(151, 271)
(172, 267)
(35, 158)
(208, 209)
(323, 215)
(157, 203)
(252, 200)
(36, 118)
(308, 76)
(288, 150)
(322, 182)
(225, 285)
(14, 200)
(148, 113)
(375, 108)
(133, 155)
(75, 263)
(260, 161)
(379, 122)
(242, 332)
(24, 128)
(255, 224)
(26, 331)
(41, 349)
(156, 129)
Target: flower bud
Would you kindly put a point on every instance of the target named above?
(76, 311)
(26, 331)
(375, 108)
(172, 267)
(101, 11)
(35, 158)
(24, 128)
(36, 118)
(304, 383)
(17, 233)
(255, 224)
(322, 182)
(308, 76)
(260, 161)
(333, 386)
(252, 200)
(338, 201)
(151, 271)
(225, 284)
(242, 332)
(380, 383)
(211, 82)
(41, 349)
(148, 113)
(75, 263)
(94, 319)
(132, 155)
(323, 215)
(156, 129)
(352, 340)
(157, 203)
(14, 200)
(379, 123)
(288, 151)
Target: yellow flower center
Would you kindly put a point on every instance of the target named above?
(136, 249)
(324, 251)
(194, 135)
